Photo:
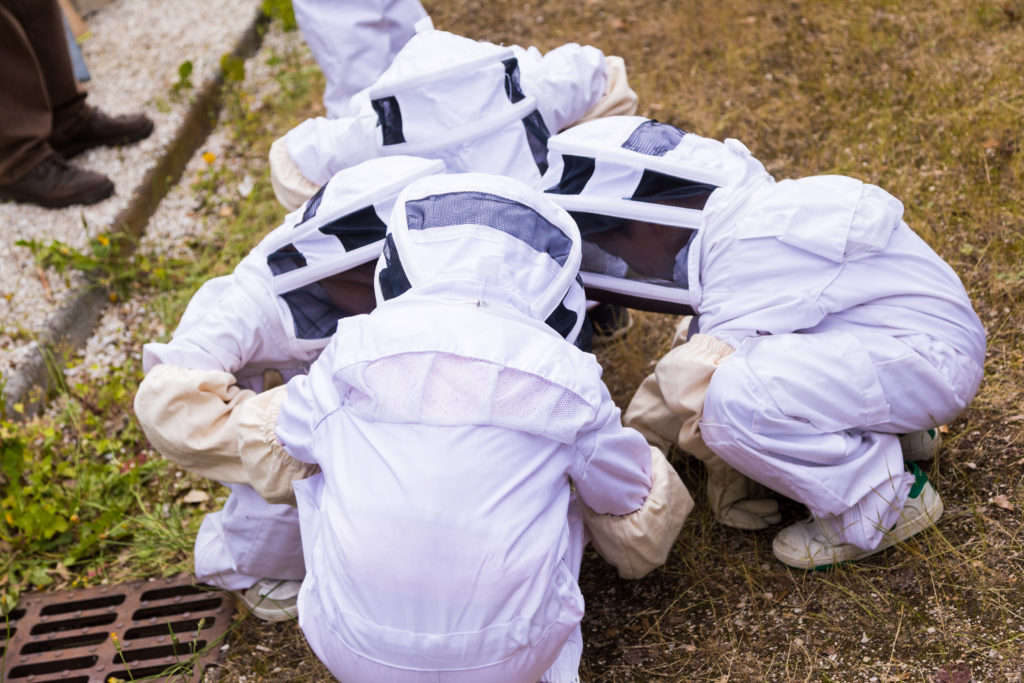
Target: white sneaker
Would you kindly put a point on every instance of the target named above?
(272, 599)
(809, 545)
(923, 445)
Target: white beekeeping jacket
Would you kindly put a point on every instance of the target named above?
(283, 300)
(637, 189)
(447, 424)
(475, 105)
(750, 255)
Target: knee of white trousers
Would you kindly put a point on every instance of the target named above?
(248, 540)
(828, 471)
(732, 400)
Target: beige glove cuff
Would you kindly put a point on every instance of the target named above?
(640, 542)
(189, 416)
(269, 468)
(683, 376)
(648, 413)
(290, 187)
(618, 99)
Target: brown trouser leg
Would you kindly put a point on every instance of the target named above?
(39, 96)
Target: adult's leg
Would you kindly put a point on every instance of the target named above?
(816, 417)
(43, 25)
(25, 117)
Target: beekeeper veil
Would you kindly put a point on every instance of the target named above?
(487, 240)
(320, 263)
(637, 189)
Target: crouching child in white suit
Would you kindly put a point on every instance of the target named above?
(268, 320)
(461, 439)
(477, 106)
(827, 329)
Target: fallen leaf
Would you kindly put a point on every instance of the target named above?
(196, 496)
(1002, 501)
(954, 673)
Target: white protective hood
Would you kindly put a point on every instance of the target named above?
(488, 240)
(637, 190)
(444, 91)
(474, 105)
(337, 230)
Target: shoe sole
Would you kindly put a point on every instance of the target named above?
(268, 610)
(904, 529)
(273, 614)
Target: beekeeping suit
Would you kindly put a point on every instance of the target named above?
(271, 317)
(475, 105)
(354, 41)
(442, 537)
(826, 326)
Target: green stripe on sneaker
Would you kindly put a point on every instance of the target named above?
(920, 478)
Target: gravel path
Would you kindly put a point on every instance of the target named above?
(133, 55)
(174, 224)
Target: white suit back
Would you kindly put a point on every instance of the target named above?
(446, 423)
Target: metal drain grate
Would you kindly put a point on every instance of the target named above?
(170, 627)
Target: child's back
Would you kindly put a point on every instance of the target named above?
(442, 535)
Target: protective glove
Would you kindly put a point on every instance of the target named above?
(618, 99)
(190, 416)
(673, 397)
(290, 187)
(637, 543)
(268, 467)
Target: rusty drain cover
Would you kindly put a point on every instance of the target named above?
(171, 627)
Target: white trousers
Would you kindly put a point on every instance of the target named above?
(815, 416)
(354, 41)
(248, 540)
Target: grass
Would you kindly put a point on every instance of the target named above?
(922, 98)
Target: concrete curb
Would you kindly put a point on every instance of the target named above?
(75, 317)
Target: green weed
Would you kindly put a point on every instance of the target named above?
(184, 81)
(107, 263)
(282, 11)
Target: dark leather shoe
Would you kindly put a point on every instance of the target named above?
(54, 183)
(102, 130)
